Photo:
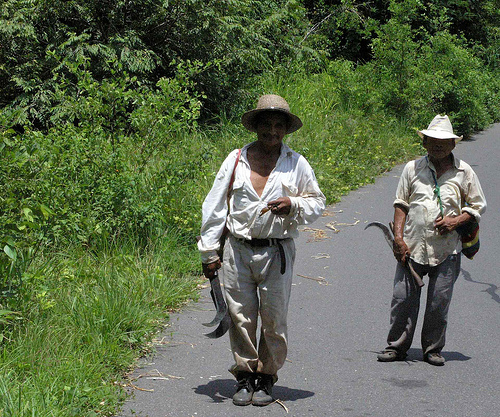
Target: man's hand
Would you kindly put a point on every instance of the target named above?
(280, 206)
(447, 224)
(401, 251)
(210, 269)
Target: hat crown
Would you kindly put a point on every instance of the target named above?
(439, 128)
(271, 102)
(441, 123)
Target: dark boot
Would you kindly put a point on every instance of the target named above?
(263, 390)
(245, 388)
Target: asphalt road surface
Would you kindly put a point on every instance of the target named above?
(338, 322)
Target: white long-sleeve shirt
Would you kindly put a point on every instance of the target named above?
(460, 192)
(292, 177)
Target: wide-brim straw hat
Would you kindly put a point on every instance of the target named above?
(440, 128)
(271, 102)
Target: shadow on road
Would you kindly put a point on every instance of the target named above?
(455, 356)
(290, 394)
(219, 390)
(223, 389)
(415, 355)
(491, 290)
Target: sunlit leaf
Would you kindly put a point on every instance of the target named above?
(11, 252)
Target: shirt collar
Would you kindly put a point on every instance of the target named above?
(457, 163)
(285, 151)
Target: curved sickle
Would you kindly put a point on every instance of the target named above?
(222, 328)
(387, 233)
(219, 301)
(390, 240)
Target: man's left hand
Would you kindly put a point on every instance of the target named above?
(280, 206)
(446, 224)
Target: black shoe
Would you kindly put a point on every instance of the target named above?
(263, 390)
(391, 356)
(245, 389)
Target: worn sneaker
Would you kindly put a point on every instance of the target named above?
(263, 390)
(244, 390)
(391, 356)
(434, 358)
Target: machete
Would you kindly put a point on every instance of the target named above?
(218, 299)
(222, 317)
(222, 328)
(390, 240)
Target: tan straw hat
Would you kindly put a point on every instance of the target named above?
(440, 128)
(271, 102)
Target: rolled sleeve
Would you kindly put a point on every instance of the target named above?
(403, 190)
(475, 201)
(402, 203)
(310, 202)
(214, 212)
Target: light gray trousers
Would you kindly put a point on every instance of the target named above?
(406, 303)
(255, 286)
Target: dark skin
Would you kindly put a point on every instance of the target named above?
(439, 153)
(262, 157)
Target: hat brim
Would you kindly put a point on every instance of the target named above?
(248, 119)
(438, 134)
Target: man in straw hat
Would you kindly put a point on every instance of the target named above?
(274, 190)
(437, 195)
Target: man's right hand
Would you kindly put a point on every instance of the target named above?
(210, 269)
(401, 251)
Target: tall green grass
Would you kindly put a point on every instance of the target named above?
(83, 330)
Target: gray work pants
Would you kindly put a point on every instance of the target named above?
(406, 303)
(254, 285)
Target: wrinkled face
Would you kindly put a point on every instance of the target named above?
(271, 128)
(438, 148)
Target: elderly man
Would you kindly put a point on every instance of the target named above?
(438, 195)
(261, 194)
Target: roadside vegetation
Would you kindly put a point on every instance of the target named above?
(115, 117)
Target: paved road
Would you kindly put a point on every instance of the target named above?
(339, 318)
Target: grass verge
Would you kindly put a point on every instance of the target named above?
(88, 322)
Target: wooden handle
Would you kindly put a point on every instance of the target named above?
(414, 274)
(416, 277)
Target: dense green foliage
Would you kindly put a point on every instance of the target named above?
(348, 27)
(115, 116)
(145, 39)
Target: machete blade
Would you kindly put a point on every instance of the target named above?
(389, 237)
(219, 302)
(387, 233)
(222, 328)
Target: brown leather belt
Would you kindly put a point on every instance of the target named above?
(270, 242)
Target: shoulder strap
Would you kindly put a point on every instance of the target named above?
(231, 181)
(437, 190)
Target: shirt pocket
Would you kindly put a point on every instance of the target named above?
(450, 195)
(240, 196)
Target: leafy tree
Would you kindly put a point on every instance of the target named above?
(423, 72)
(347, 25)
(474, 20)
(233, 39)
